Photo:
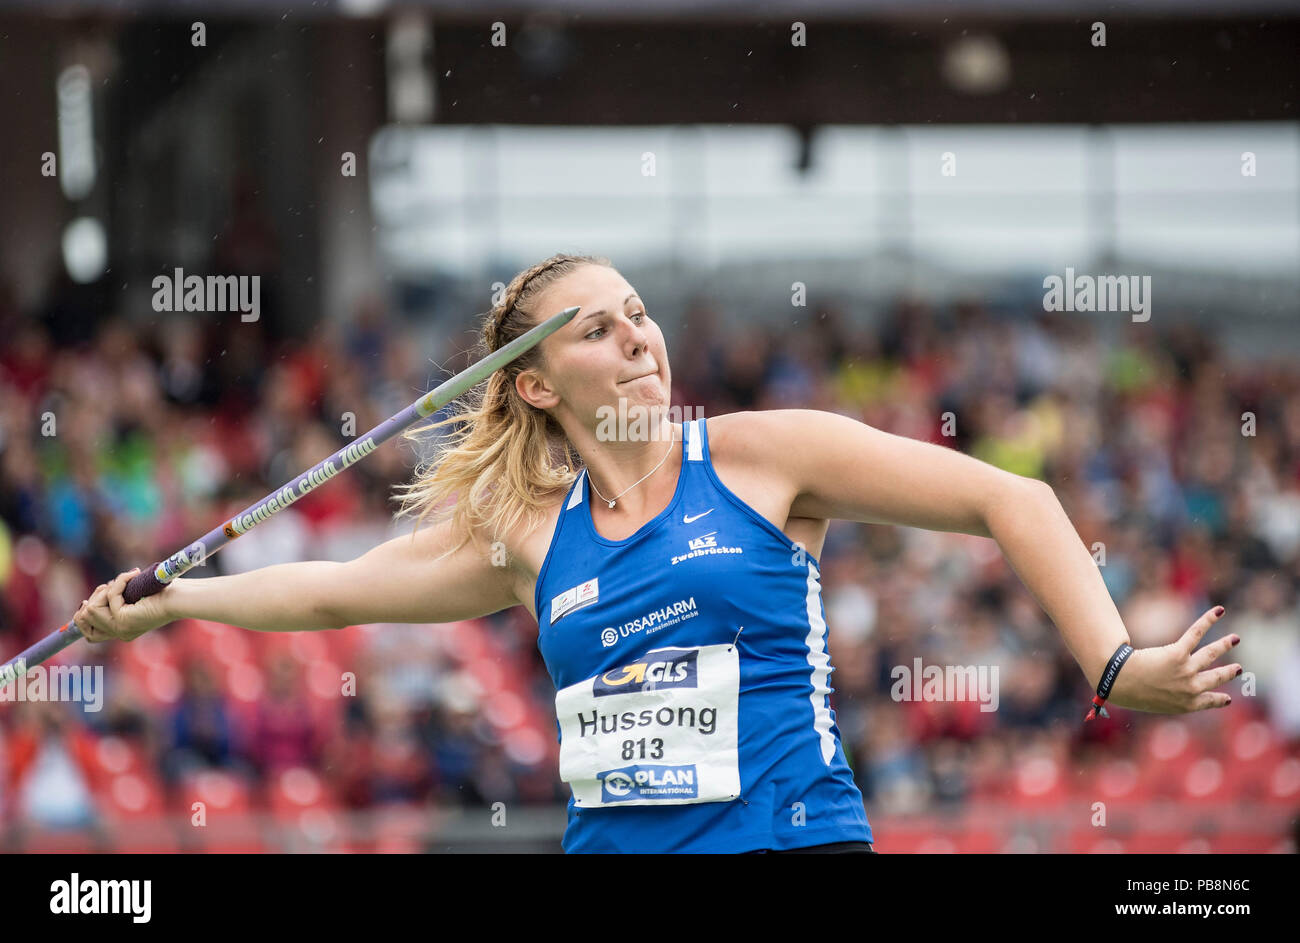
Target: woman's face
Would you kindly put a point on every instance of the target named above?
(611, 350)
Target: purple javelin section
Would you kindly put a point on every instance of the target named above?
(151, 581)
(196, 553)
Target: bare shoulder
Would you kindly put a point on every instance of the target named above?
(757, 437)
(750, 453)
(730, 433)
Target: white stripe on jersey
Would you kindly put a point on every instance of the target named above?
(695, 451)
(578, 491)
(819, 659)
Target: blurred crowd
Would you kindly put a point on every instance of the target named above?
(1179, 467)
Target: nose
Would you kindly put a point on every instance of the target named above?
(637, 339)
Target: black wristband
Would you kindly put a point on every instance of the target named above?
(1108, 681)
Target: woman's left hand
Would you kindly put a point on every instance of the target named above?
(1177, 678)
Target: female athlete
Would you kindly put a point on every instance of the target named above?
(673, 572)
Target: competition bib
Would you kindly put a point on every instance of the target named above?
(658, 731)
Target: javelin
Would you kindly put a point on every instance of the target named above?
(148, 582)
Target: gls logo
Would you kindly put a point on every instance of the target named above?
(668, 668)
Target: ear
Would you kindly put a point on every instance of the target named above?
(536, 390)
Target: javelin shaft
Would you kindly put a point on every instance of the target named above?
(151, 581)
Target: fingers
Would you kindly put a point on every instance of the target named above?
(1202, 658)
(97, 617)
(86, 617)
(1192, 637)
(116, 591)
(90, 619)
(1210, 700)
(82, 620)
(1208, 680)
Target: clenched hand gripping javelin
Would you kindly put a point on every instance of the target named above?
(151, 581)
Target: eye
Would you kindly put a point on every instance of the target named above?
(639, 314)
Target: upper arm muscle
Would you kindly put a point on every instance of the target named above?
(844, 469)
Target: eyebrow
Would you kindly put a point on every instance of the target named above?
(596, 314)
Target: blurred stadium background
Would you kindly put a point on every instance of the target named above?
(717, 163)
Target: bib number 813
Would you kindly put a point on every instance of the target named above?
(630, 749)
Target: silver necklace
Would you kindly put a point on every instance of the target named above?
(610, 501)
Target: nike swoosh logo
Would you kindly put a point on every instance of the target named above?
(686, 519)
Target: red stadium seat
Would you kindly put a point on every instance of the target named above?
(228, 825)
(1284, 783)
(152, 648)
(58, 842)
(345, 645)
(323, 680)
(1254, 751)
(197, 639)
(243, 682)
(255, 844)
(1022, 843)
(487, 672)
(1087, 840)
(396, 829)
(135, 795)
(306, 811)
(1038, 781)
(307, 647)
(1158, 842)
(160, 684)
(234, 833)
(294, 790)
(267, 645)
(907, 837)
(116, 755)
(1170, 744)
(220, 642)
(466, 640)
(1167, 752)
(1230, 843)
(526, 746)
(149, 837)
(221, 792)
(1205, 782)
(1113, 780)
(978, 841)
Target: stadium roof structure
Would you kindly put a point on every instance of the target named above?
(680, 10)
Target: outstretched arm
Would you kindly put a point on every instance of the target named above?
(401, 580)
(841, 468)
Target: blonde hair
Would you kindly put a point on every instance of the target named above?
(505, 455)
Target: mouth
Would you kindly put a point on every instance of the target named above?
(641, 377)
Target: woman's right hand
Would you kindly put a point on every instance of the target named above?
(106, 615)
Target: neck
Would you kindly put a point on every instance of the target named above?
(614, 467)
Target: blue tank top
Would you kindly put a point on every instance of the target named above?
(688, 653)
